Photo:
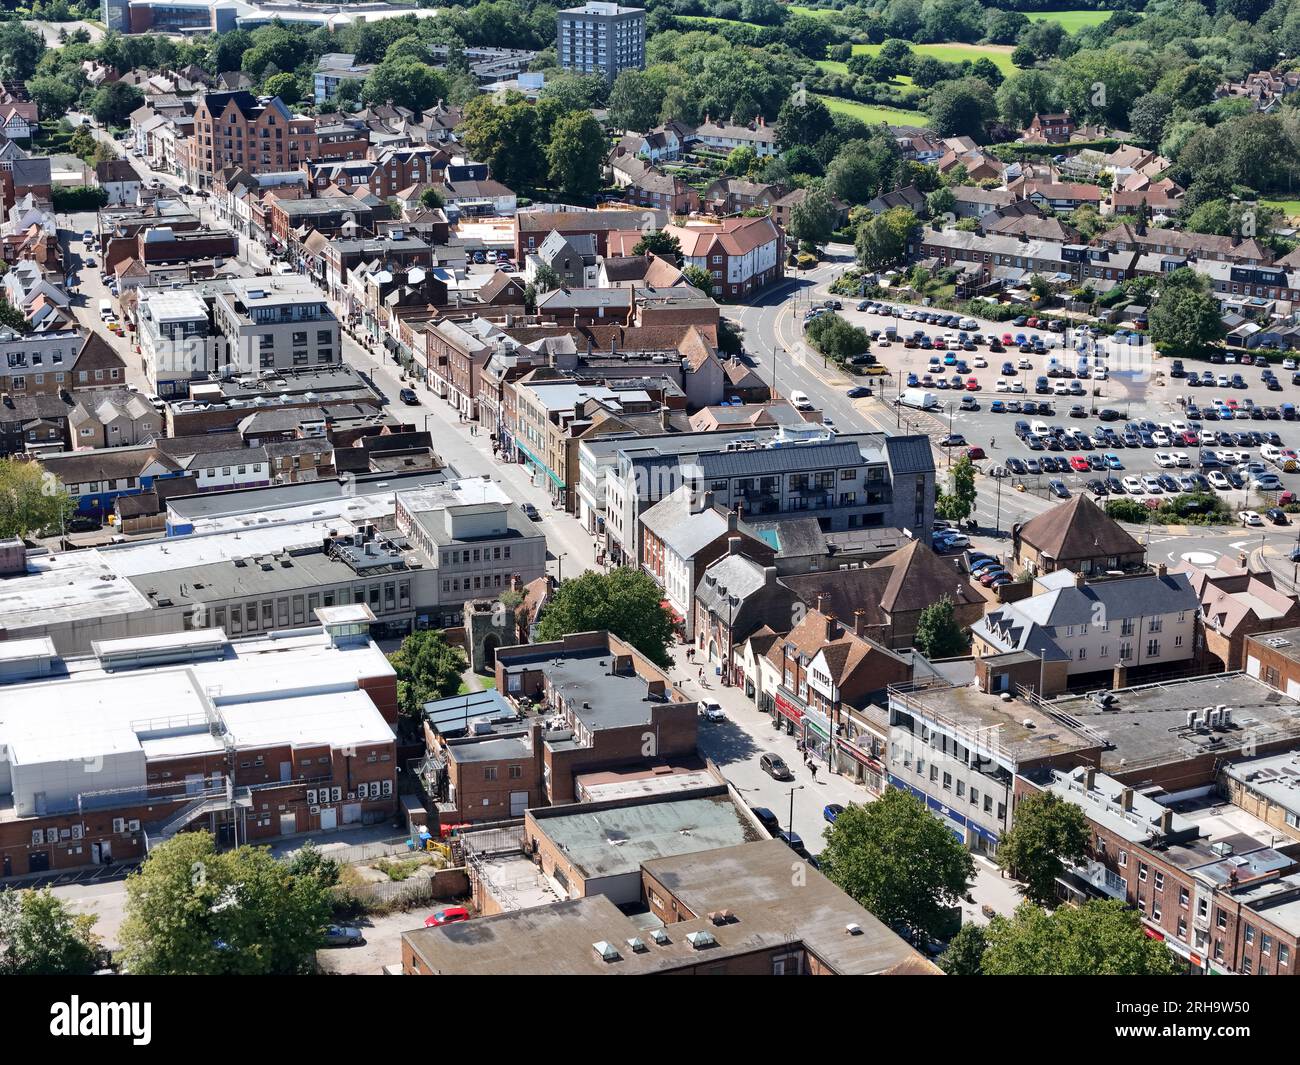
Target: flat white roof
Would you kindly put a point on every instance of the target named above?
(18, 650)
(299, 689)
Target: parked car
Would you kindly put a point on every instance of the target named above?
(766, 818)
(450, 915)
(530, 511)
(343, 935)
(831, 812)
(408, 396)
(711, 711)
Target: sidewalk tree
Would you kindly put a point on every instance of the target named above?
(625, 601)
(194, 910)
(965, 953)
(959, 504)
(1048, 832)
(1099, 938)
(812, 221)
(937, 633)
(895, 858)
(30, 499)
(41, 936)
(113, 102)
(428, 668)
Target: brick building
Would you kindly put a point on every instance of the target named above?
(236, 129)
(251, 739)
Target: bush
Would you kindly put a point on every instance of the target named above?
(80, 198)
(837, 339)
(1127, 510)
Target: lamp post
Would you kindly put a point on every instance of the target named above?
(559, 566)
(790, 822)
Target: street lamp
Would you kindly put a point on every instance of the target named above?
(790, 823)
(559, 566)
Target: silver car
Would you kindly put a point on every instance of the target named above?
(343, 935)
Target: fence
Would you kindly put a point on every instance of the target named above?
(354, 853)
(398, 894)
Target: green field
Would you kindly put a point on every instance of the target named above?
(895, 116)
(954, 53)
(708, 20)
(814, 12)
(1071, 21)
(832, 66)
(1291, 208)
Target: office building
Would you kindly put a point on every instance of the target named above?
(601, 38)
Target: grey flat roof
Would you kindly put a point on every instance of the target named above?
(1276, 777)
(251, 500)
(614, 841)
(600, 700)
(1146, 725)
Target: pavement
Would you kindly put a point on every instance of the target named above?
(736, 744)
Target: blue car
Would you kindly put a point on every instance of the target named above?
(831, 812)
(1112, 462)
(997, 407)
(912, 380)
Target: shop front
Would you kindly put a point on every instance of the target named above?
(861, 766)
(788, 714)
(817, 735)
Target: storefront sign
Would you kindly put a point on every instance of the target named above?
(786, 708)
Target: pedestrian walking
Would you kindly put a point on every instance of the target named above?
(812, 768)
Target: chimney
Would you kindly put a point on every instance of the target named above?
(1166, 821)
(1162, 570)
(733, 545)
(1089, 778)
(1126, 799)
(1119, 678)
(733, 521)
(769, 576)
(832, 627)
(665, 418)
(821, 602)
(860, 622)
(740, 510)
(1080, 580)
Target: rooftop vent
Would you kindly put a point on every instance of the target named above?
(660, 937)
(606, 951)
(853, 928)
(701, 940)
(636, 946)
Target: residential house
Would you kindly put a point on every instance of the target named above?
(1078, 536)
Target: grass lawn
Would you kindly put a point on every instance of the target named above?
(871, 113)
(834, 66)
(1290, 207)
(718, 21)
(813, 12)
(1071, 21)
(954, 53)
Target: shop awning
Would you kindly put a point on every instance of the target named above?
(669, 607)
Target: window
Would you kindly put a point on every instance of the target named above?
(1221, 918)
(1142, 872)
(489, 772)
(1160, 880)
(947, 782)
(1183, 897)
(1153, 648)
(1250, 935)
(1283, 954)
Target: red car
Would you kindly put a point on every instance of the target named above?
(972, 385)
(1189, 438)
(1032, 323)
(1007, 338)
(1079, 463)
(451, 915)
(975, 453)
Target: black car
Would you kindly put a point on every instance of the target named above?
(408, 396)
(858, 391)
(1097, 488)
(82, 523)
(1107, 414)
(531, 511)
(795, 843)
(766, 818)
(1276, 515)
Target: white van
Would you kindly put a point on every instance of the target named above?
(106, 310)
(801, 401)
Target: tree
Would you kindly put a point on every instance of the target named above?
(882, 240)
(20, 50)
(836, 338)
(30, 499)
(698, 277)
(635, 100)
(853, 178)
(937, 633)
(1149, 116)
(895, 858)
(545, 279)
(812, 221)
(576, 155)
(1047, 833)
(54, 95)
(741, 162)
(191, 910)
(503, 135)
(626, 602)
(802, 120)
(659, 243)
(285, 86)
(965, 953)
(1099, 938)
(41, 936)
(962, 108)
(405, 83)
(12, 318)
(113, 102)
(428, 668)
(431, 197)
(958, 505)
(1186, 317)
(228, 50)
